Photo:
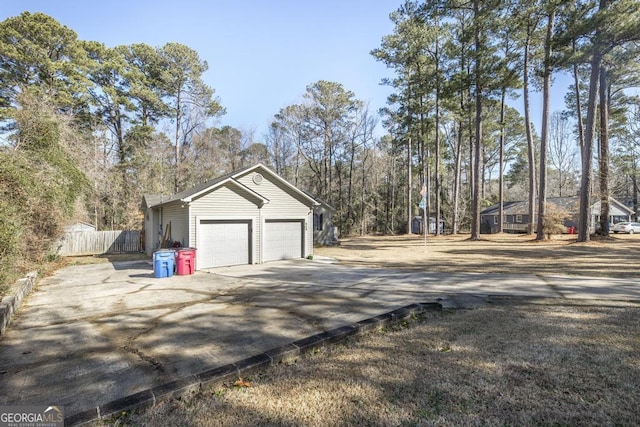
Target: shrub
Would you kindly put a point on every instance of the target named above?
(554, 220)
(39, 186)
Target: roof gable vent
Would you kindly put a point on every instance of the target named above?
(257, 179)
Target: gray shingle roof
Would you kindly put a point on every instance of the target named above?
(154, 200)
(569, 204)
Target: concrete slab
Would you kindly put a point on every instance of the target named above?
(89, 335)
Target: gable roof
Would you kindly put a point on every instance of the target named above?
(493, 209)
(615, 204)
(570, 204)
(149, 200)
(283, 181)
(319, 201)
(189, 195)
(231, 178)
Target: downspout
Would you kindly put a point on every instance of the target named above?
(161, 231)
(259, 260)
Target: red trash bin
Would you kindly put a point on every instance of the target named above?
(185, 261)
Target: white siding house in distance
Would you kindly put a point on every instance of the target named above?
(249, 216)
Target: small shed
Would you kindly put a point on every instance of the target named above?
(416, 225)
(249, 216)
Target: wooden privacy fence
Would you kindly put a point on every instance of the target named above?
(99, 242)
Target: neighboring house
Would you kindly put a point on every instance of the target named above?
(516, 214)
(324, 233)
(249, 216)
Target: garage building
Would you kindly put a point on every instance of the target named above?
(246, 217)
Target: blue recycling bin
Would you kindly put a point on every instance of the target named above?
(163, 263)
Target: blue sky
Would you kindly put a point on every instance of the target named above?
(261, 54)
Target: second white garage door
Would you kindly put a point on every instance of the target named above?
(223, 243)
(282, 239)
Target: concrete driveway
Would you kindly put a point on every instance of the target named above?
(91, 334)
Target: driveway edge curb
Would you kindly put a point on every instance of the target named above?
(11, 303)
(148, 398)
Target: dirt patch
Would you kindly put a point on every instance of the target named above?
(510, 364)
(617, 256)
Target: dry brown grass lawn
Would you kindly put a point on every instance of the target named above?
(516, 362)
(502, 365)
(617, 256)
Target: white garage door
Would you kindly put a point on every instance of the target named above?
(223, 243)
(282, 240)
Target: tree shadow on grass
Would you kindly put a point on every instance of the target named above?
(512, 364)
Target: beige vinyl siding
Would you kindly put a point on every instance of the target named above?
(284, 203)
(178, 214)
(151, 230)
(225, 203)
(324, 235)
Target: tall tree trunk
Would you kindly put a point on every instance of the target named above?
(544, 143)
(425, 174)
(471, 133)
(477, 169)
(634, 181)
(483, 174)
(345, 223)
(388, 203)
(326, 193)
(409, 156)
(477, 161)
(503, 96)
(351, 213)
(437, 186)
(427, 211)
(409, 185)
(604, 153)
(456, 179)
(177, 180)
(393, 194)
(584, 221)
(296, 172)
(423, 168)
(363, 222)
(530, 145)
(116, 119)
(331, 162)
(576, 84)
